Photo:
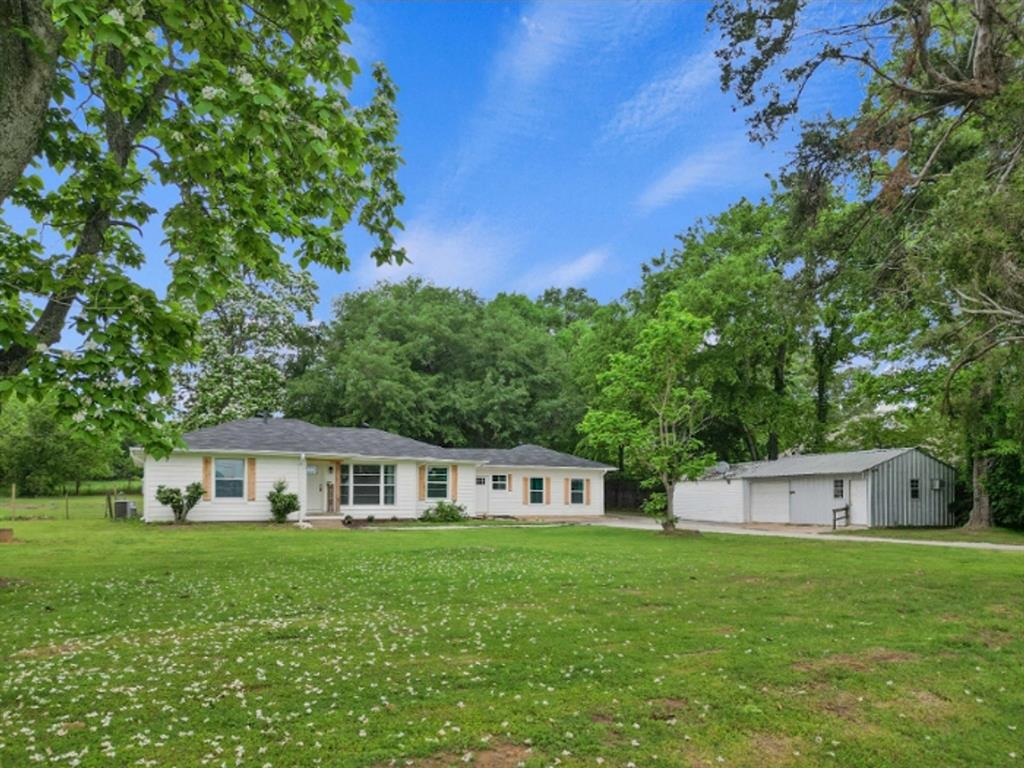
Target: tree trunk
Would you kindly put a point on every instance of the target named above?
(668, 524)
(981, 510)
(28, 68)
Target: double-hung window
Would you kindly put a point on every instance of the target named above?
(837, 489)
(576, 491)
(536, 490)
(229, 477)
(373, 484)
(499, 482)
(437, 482)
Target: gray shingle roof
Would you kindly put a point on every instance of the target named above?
(847, 463)
(296, 436)
(527, 456)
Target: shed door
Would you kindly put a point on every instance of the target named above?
(812, 500)
(483, 488)
(769, 501)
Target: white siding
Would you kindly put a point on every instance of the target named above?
(181, 469)
(769, 501)
(713, 501)
(510, 501)
(466, 489)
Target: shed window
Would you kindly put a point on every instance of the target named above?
(499, 482)
(915, 488)
(837, 489)
(230, 478)
(536, 490)
(576, 491)
(481, 481)
(437, 482)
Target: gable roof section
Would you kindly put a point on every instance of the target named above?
(846, 463)
(296, 436)
(527, 455)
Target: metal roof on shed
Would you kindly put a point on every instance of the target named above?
(847, 463)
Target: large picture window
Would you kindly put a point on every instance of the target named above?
(373, 484)
(536, 490)
(229, 477)
(576, 491)
(437, 482)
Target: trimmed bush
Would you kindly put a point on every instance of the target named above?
(180, 503)
(443, 512)
(282, 503)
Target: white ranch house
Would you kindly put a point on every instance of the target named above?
(877, 488)
(339, 471)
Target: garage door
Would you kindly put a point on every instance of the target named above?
(769, 501)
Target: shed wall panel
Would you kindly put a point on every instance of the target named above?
(890, 492)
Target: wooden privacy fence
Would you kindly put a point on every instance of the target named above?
(623, 492)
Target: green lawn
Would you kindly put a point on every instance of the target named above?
(270, 646)
(989, 535)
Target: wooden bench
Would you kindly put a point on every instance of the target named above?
(841, 513)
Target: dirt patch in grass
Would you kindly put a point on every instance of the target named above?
(666, 709)
(995, 639)
(11, 583)
(922, 706)
(46, 651)
(770, 749)
(858, 662)
(498, 756)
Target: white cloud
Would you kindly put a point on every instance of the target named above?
(545, 56)
(661, 103)
(472, 254)
(726, 164)
(568, 274)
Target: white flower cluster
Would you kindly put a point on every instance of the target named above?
(211, 92)
(116, 16)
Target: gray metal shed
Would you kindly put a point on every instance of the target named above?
(881, 488)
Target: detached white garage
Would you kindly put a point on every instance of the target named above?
(876, 488)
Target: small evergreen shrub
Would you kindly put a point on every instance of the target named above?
(282, 503)
(346, 520)
(443, 512)
(370, 518)
(180, 503)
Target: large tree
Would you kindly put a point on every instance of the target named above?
(238, 110)
(441, 365)
(247, 343)
(653, 405)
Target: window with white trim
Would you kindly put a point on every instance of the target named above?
(373, 484)
(576, 486)
(499, 482)
(838, 491)
(437, 482)
(229, 478)
(536, 490)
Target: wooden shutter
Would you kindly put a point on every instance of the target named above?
(508, 483)
(586, 491)
(337, 486)
(547, 490)
(567, 491)
(250, 479)
(207, 478)
(526, 490)
(423, 481)
(454, 482)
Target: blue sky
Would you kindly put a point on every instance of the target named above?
(550, 143)
(559, 143)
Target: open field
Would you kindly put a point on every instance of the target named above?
(270, 646)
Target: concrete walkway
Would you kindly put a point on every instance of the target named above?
(810, 533)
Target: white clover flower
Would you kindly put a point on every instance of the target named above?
(116, 16)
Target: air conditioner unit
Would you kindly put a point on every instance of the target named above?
(937, 483)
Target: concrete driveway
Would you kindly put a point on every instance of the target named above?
(808, 532)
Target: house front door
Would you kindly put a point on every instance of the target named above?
(316, 481)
